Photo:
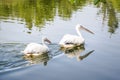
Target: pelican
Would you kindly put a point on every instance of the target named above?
(69, 40)
(34, 49)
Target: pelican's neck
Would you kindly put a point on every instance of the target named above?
(78, 31)
(43, 42)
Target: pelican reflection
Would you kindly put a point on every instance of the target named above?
(43, 58)
(75, 52)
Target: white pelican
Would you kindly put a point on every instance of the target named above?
(69, 40)
(36, 49)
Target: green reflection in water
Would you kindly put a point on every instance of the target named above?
(38, 12)
(108, 8)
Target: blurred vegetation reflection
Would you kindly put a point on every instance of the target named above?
(38, 12)
(109, 8)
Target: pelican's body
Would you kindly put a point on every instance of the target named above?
(69, 40)
(36, 49)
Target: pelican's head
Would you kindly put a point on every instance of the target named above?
(80, 27)
(45, 39)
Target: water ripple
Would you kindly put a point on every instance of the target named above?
(11, 56)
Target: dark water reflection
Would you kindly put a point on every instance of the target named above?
(24, 21)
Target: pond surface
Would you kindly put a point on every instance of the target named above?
(25, 21)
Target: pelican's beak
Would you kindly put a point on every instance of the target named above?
(86, 29)
(47, 40)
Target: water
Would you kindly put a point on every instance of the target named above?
(25, 21)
